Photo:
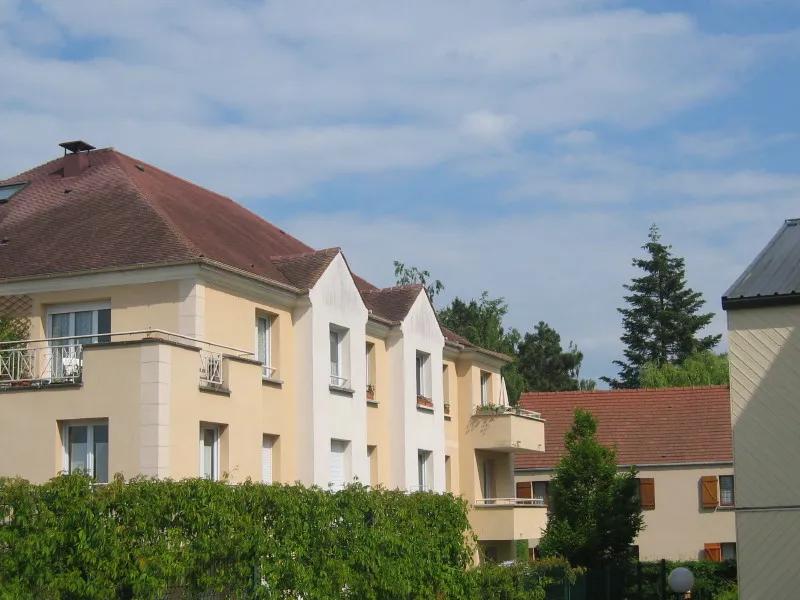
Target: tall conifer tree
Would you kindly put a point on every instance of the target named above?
(662, 318)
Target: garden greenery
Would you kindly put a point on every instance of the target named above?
(68, 539)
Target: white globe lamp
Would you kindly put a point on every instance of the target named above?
(680, 580)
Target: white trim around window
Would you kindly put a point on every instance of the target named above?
(209, 452)
(263, 344)
(85, 447)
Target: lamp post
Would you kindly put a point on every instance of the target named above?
(680, 580)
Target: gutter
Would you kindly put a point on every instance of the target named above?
(760, 301)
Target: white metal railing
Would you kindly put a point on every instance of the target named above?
(490, 502)
(210, 368)
(27, 365)
(337, 381)
(504, 409)
(44, 361)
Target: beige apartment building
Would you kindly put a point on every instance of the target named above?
(763, 309)
(679, 440)
(173, 333)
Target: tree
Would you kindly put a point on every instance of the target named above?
(411, 275)
(481, 322)
(546, 366)
(595, 513)
(661, 320)
(12, 330)
(701, 368)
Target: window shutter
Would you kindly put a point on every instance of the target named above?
(714, 552)
(266, 459)
(708, 485)
(525, 489)
(337, 464)
(647, 493)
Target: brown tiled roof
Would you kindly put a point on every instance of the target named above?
(122, 212)
(648, 426)
(392, 303)
(303, 270)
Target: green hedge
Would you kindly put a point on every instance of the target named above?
(67, 539)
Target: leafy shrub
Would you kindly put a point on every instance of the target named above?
(522, 580)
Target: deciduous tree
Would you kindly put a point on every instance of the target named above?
(595, 512)
(702, 368)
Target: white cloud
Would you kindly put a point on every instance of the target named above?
(577, 137)
(717, 145)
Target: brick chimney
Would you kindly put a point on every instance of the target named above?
(76, 157)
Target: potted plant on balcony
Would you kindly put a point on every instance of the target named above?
(370, 391)
(424, 401)
(489, 408)
(446, 408)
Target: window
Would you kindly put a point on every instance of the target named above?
(267, 458)
(370, 360)
(338, 344)
(8, 190)
(485, 377)
(717, 491)
(372, 458)
(338, 474)
(719, 551)
(264, 345)
(541, 492)
(446, 385)
(424, 470)
(209, 453)
(646, 492)
(86, 322)
(488, 486)
(423, 383)
(86, 449)
(726, 490)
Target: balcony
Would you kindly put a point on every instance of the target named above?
(508, 518)
(504, 428)
(54, 362)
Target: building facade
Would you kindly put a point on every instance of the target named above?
(679, 440)
(763, 310)
(172, 333)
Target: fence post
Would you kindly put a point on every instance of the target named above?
(664, 579)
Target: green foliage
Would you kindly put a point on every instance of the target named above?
(546, 366)
(595, 513)
(411, 275)
(522, 550)
(12, 330)
(712, 580)
(701, 368)
(522, 580)
(70, 540)
(661, 320)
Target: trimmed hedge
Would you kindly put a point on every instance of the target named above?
(70, 540)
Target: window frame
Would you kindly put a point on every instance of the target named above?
(91, 464)
(19, 185)
(214, 451)
(340, 378)
(732, 503)
(71, 310)
(422, 377)
(267, 369)
(485, 378)
(424, 470)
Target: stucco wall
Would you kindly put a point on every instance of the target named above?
(679, 527)
(378, 412)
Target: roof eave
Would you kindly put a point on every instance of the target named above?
(760, 301)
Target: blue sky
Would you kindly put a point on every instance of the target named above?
(522, 148)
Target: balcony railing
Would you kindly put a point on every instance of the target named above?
(504, 409)
(499, 502)
(48, 361)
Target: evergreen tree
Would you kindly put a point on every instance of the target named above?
(595, 513)
(546, 366)
(662, 318)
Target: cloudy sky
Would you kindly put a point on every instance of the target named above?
(520, 147)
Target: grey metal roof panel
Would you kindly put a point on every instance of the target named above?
(775, 272)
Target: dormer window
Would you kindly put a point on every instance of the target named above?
(7, 190)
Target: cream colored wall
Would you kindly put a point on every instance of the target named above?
(678, 527)
(764, 348)
(378, 413)
(133, 307)
(30, 432)
(452, 425)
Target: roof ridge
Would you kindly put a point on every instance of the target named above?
(335, 249)
(149, 201)
(393, 288)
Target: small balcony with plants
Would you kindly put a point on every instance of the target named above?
(505, 428)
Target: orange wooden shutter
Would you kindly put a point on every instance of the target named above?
(714, 552)
(647, 492)
(524, 489)
(709, 486)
